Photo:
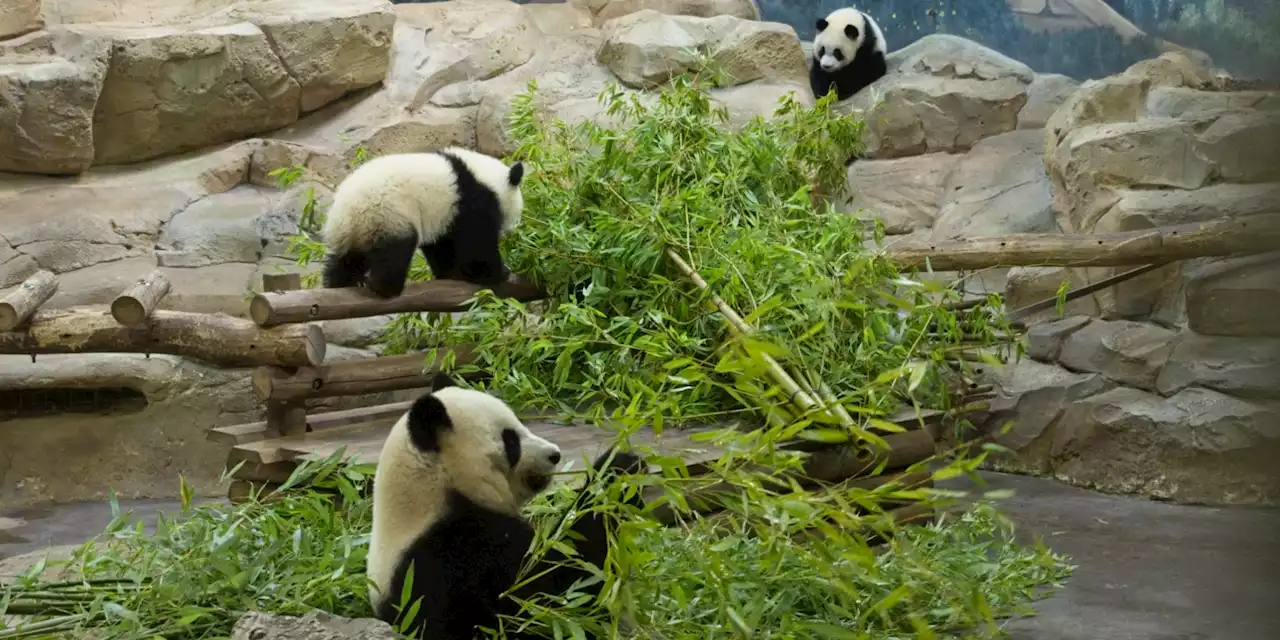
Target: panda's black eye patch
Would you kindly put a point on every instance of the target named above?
(511, 446)
(838, 54)
(822, 51)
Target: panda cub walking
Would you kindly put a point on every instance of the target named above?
(454, 205)
(453, 474)
(848, 52)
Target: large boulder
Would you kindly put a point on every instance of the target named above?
(330, 48)
(646, 49)
(1235, 297)
(1163, 123)
(903, 193)
(603, 11)
(1129, 353)
(117, 86)
(18, 17)
(1044, 95)
(49, 88)
(1242, 367)
(942, 94)
(998, 188)
(1196, 446)
(464, 41)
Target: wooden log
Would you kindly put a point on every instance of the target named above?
(837, 463)
(132, 307)
(309, 305)
(351, 377)
(214, 338)
(285, 417)
(18, 306)
(1225, 236)
(255, 431)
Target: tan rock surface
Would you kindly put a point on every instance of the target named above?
(606, 10)
(48, 93)
(997, 188)
(903, 193)
(18, 17)
(646, 48)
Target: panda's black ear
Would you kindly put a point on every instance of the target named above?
(516, 174)
(851, 32)
(442, 380)
(822, 24)
(427, 418)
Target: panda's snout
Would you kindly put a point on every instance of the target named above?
(554, 457)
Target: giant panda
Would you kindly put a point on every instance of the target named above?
(454, 204)
(848, 51)
(451, 479)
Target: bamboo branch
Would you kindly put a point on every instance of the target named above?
(741, 328)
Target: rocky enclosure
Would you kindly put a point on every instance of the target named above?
(141, 135)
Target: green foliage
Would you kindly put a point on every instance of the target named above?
(199, 571)
(303, 549)
(605, 209)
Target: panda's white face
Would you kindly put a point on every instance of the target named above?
(488, 442)
(839, 37)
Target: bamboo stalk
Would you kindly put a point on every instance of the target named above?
(741, 328)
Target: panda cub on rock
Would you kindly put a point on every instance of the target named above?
(452, 477)
(454, 205)
(848, 52)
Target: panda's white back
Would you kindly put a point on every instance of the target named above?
(417, 190)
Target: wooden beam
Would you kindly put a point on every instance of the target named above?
(255, 431)
(308, 305)
(351, 377)
(1225, 236)
(132, 307)
(215, 338)
(18, 306)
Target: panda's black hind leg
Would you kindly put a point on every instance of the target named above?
(389, 261)
(344, 269)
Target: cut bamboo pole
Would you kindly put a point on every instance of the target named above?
(307, 305)
(132, 307)
(17, 307)
(1221, 237)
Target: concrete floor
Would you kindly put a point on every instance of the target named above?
(1147, 570)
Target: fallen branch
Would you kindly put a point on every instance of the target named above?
(1226, 236)
(309, 305)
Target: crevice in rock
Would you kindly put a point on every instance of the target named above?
(52, 401)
